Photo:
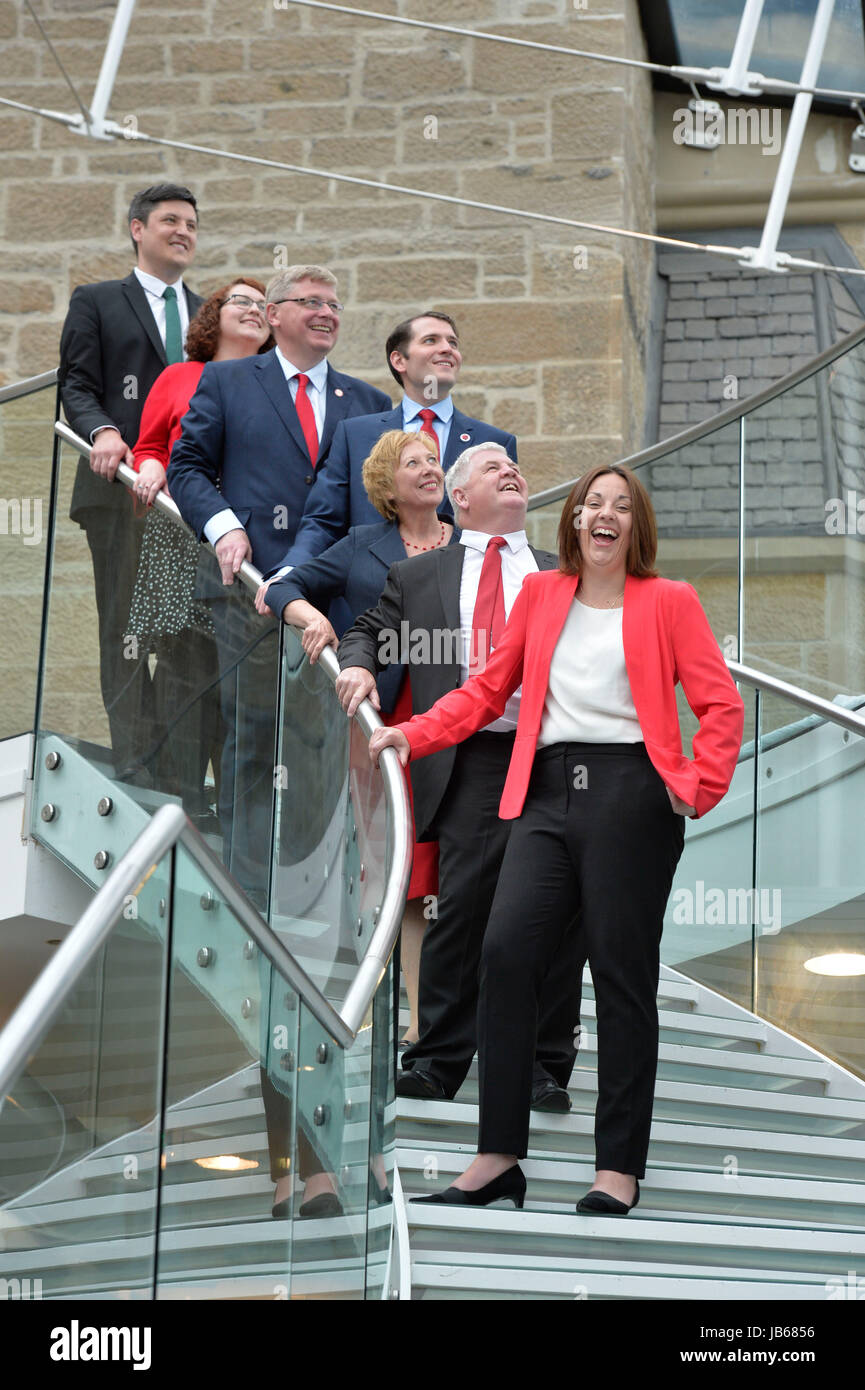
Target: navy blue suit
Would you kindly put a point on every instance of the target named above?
(355, 569)
(242, 447)
(339, 501)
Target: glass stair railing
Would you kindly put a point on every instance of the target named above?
(136, 1141)
(27, 413)
(245, 1054)
(762, 509)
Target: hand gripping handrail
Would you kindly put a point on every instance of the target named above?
(360, 993)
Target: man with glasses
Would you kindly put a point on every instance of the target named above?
(117, 338)
(256, 431)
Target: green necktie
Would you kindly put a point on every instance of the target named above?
(173, 335)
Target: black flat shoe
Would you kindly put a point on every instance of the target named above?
(511, 1183)
(546, 1095)
(420, 1085)
(325, 1204)
(602, 1204)
(281, 1210)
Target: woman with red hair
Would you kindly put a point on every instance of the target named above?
(164, 617)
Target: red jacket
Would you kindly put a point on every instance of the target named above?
(667, 639)
(162, 416)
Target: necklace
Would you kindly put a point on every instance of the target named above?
(415, 546)
(611, 604)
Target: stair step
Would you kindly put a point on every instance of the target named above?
(555, 1182)
(725, 1245)
(706, 1144)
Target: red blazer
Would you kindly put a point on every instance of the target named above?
(162, 417)
(667, 639)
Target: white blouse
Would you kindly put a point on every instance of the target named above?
(589, 695)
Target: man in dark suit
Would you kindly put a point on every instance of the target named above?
(457, 792)
(256, 431)
(117, 338)
(423, 354)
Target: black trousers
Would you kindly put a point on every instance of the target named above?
(472, 842)
(114, 535)
(597, 830)
(248, 653)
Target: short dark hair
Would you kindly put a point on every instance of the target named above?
(144, 202)
(400, 338)
(644, 535)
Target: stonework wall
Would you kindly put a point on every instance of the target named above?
(553, 339)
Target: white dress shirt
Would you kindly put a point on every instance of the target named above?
(153, 289)
(443, 411)
(316, 392)
(517, 562)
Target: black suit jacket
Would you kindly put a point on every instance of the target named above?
(110, 355)
(424, 594)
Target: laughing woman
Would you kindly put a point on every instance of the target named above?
(598, 788)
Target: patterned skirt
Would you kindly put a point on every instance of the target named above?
(162, 602)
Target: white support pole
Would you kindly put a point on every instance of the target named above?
(765, 256)
(108, 71)
(735, 79)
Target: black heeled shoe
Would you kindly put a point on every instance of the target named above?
(511, 1183)
(602, 1204)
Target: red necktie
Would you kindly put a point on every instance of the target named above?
(428, 427)
(306, 416)
(488, 619)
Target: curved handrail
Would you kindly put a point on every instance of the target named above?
(737, 411)
(832, 713)
(16, 389)
(372, 966)
(168, 827)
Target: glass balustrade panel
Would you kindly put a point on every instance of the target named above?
(79, 1131)
(708, 930)
(330, 859)
(26, 440)
(159, 685)
(804, 593)
(810, 888)
(228, 1159)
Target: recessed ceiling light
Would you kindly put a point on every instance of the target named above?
(227, 1163)
(837, 963)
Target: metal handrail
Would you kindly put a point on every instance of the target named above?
(734, 412)
(373, 964)
(834, 714)
(168, 827)
(16, 389)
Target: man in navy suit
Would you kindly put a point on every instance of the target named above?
(256, 432)
(258, 428)
(423, 354)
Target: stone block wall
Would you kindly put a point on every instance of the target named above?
(553, 335)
